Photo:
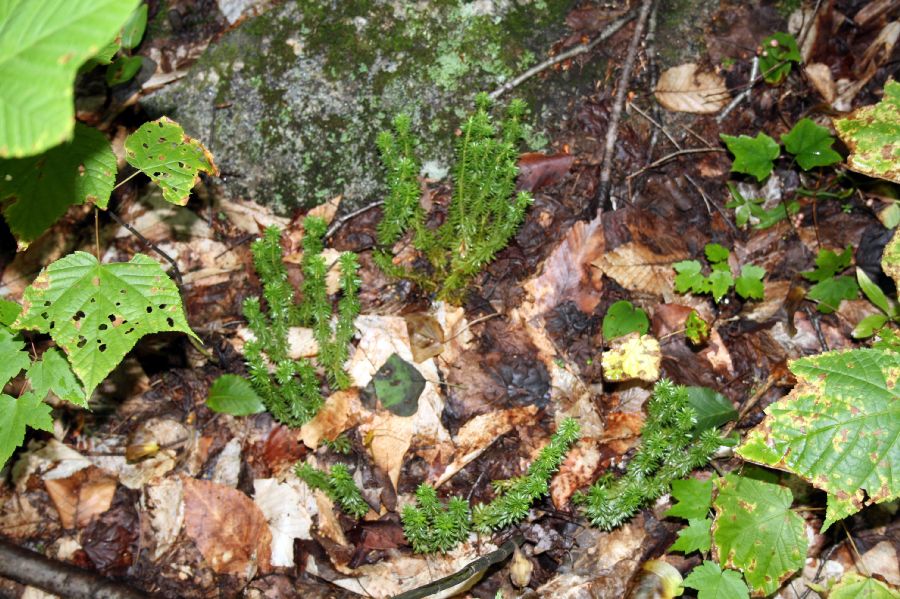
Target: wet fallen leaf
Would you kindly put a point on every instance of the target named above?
(230, 531)
(687, 89)
(538, 170)
(637, 268)
(633, 356)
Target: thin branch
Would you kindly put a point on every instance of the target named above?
(713, 202)
(672, 156)
(656, 124)
(175, 271)
(754, 70)
(337, 224)
(608, 32)
(601, 199)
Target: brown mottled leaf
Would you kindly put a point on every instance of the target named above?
(686, 89)
(637, 268)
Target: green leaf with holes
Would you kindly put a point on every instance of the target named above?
(232, 394)
(171, 159)
(890, 259)
(42, 45)
(810, 144)
(696, 330)
(29, 410)
(97, 312)
(752, 155)
(854, 586)
(711, 582)
(837, 429)
(623, 318)
(53, 373)
(756, 532)
(873, 135)
(41, 188)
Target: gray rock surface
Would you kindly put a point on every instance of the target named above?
(290, 101)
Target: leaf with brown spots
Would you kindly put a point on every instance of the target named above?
(837, 428)
(873, 135)
(756, 532)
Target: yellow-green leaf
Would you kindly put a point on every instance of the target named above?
(873, 135)
(854, 586)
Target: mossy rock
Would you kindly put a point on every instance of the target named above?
(290, 102)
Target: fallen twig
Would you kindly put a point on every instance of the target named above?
(754, 71)
(608, 32)
(175, 271)
(601, 198)
(338, 223)
(672, 156)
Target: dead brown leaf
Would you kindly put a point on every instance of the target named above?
(820, 76)
(637, 268)
(227, 527)
(81, 497)
(537, 170)
(687, 89)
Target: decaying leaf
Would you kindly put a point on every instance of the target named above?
(637, 268)
(288, 507)
(230, 531)
(633, 356)
(686, 89)
(81, 497)
(872, 134)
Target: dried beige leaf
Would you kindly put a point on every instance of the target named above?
(820, 76)
(685, 89)
(637, 268)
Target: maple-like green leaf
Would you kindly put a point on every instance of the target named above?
(828, 264)
(752, 155)
(689, 277)
(756, 532)
(750, 284)
(42, 45)
(750, 210)
(97, 312)
(171, 159)
(623, 318)
(873, 135)
(711, 408)
(29, 410)
(720, 281)
(233, 394)
(810, 144)
(693, 498)
(53, 373)
(829, 294)
(854, 586)
(43, 187)
(716, 252)
(837, 429)
(711, 582)
(13, 357)
(696, 330)
(695, 537)
(779, 50)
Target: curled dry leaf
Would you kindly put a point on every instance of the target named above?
(686, 89)
(81, 497)
(230, 531)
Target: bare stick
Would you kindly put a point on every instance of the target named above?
(340, 222)
(601, 199)
(656, 124)
(30, 568)
(713, 202)
(673, 155)
(175, 271)
(754, 71)
(608, 32)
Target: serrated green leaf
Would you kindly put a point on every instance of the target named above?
(869, 325)
(43, 187)
(779, 50)
(829, 293)
(711, 408)
(123, 70)
(42, 45)
(689, 277)
(854, 586)
(837, 429)
(750, 284)
(232, 394)
(720, 281)
(873, 292)
(756, 532)
(716, 252)
(623, 318)
(693, 498)
(53, 373)
(711, 582)
(17, 414)
(133, 30)
(752, 155)
(810, 144)
(695, 537)
(171, 159)
(97, 312)
(13, 358)
(828, 264)
(9, 312)
(696, 330)
(770, 217)
(872, 134)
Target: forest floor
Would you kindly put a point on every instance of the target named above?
(212, 507)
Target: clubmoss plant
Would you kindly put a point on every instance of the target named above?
(484, 211)
(290, 388)
(431, 526)
(669, 450)
(337, 484)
